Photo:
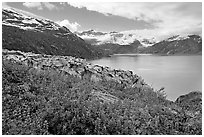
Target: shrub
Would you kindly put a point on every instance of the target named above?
(38, 102)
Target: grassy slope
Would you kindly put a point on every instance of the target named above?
(49, 102)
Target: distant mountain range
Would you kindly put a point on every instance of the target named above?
(32, 34)
(115, 42)
(120, 42)
(190, 44)
(120, 38)
(28, 33)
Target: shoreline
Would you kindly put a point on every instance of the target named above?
(97, 71)
(170, 88)
(142, 54)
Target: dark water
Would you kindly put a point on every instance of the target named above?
(178, 74)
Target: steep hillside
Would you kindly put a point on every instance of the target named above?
(191, 44)
(25, 33)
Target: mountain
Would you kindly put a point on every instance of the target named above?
(120, 38)
(34, 34)
(189, 44)
(110, 48)
(29, 33)
(115, 42)
(123, 42)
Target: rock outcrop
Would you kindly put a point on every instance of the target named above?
(191, 103)
(77, 67)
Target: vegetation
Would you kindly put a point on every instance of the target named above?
(47, 42)
(47, 102)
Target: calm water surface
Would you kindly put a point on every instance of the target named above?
(178, 74)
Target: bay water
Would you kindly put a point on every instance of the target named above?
(179, 75)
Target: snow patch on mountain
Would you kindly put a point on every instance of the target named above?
(31, 21)
(25, 21)
(178, 37)
(121, 38)
(22, 12)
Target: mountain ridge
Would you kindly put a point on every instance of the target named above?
(114, 37)
(26, 33)
(115, 42)
(190, 44)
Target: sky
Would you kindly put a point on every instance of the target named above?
(143, 18)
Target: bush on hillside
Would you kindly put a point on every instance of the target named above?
(38, 102)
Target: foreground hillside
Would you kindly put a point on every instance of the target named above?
(33, 34)
(43, 94)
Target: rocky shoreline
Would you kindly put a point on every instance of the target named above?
(77, 67)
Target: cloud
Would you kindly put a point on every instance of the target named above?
(72, 26)
(40, 5)
(4, 5)
(167, 18)
(37, 5)
(163, 33)
(49, 6)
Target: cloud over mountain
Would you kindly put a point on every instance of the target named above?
(72, 26)
(167, 18)
(40, 5)
(147, 19)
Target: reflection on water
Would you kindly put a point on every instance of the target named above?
(178, 74)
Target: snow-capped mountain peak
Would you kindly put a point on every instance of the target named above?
(25, 32)
(23, 20)
(114, 37)
(178, 37)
